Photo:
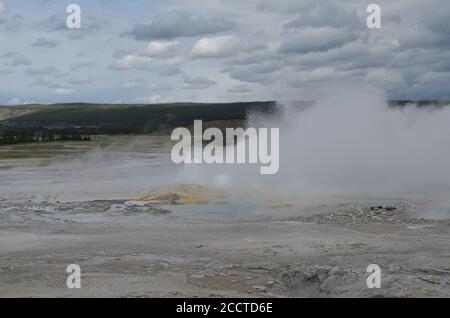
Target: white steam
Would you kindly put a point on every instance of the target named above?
(350, 143)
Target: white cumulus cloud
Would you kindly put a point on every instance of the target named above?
(13, 101)
(221, 46)
(158, 48)
(63, 91)
(129, 62)
(132, 83)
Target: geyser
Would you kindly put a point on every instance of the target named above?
(351, 142)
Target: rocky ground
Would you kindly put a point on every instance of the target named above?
(144, 248)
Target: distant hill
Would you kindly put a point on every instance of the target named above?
(75, 119)
(123, 119)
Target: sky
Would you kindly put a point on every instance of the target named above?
(219, 50)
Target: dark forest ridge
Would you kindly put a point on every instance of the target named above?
(140, 118)
(68, 121)
(132, 118)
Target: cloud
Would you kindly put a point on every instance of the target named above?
(170, 66)
(281, 45)
(83, 63)
(11, 54)
(54, 23)
(387, 79)
(5, 71)
(21, 61)
(179, 24)
(308, 77)
(244, 75)
(90, 26)
(80, 81)
(17, 59)
(169, 71)
(13, 101)
(256, 57)
(239, 89)
(132, 83)
(158, 48)
(17, 101)
(41, 71)
(43, 82)
(317, 40)
(130, 62)
(2, 7)
(64, 91)
(342, 58)
(327, 14)
(160, 86)
(436, 20)
(423, 38)
(281, 7)
(433, 85)
(42, 42)
(172, 62)
(263, 73)
(159, 56)
(200, 82)
(223, 46)
(11, 23)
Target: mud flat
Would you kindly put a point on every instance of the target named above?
(144, 249)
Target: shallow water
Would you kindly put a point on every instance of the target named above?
(106, 168)
(129, 167)
(40, 176)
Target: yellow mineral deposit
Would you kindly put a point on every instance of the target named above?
(184, 194)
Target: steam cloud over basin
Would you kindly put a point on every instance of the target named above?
(351, 142)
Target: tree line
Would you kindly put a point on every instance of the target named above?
(10, 136)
